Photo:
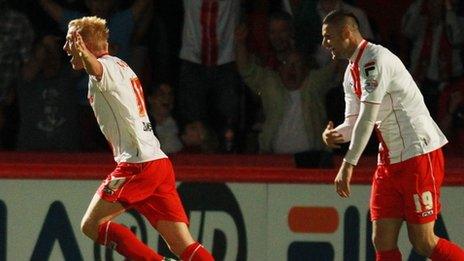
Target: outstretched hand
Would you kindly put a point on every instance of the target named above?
(331, 137)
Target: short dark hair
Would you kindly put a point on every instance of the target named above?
(340, 17)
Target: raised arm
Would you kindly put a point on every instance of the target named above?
(140, 7)
(454, 25)
(241, 52)
(53, 9)
(91, 64)
(143, 24)
(412, 21)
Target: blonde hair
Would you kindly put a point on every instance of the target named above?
(93, 31)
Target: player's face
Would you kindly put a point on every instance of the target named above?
(70, 49)
(334, 40)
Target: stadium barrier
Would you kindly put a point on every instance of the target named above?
(242, 207)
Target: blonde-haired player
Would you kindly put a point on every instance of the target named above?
(143, 179)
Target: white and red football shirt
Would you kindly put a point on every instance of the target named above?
(118, 103)
(208, 32)
(404, 125)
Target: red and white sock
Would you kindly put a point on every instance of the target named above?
(122, 239)
(447, 251)
(196, 252)
(390, 255)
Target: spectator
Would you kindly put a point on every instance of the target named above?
(437, 35)
(208, 77)
(292, 101)
(165, 127)
(306, 22)
(121, 23)
(164, 41)
(387, 29)
(48, 107)
(257, 20)
(451, 116)
(281, 36)
(15, 45)
(198, 138)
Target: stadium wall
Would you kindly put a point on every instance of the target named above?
(241, 207)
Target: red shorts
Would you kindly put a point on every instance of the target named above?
(148, 187)
(408, 190)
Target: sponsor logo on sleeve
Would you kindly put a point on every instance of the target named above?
(370, 75)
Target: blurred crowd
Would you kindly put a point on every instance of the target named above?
(220, 76)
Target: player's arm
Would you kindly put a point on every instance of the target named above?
(362, 131)
(242, 56)
(346, 128)
(333, 137)
(91, 64)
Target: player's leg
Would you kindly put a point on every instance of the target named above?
(385, 238)
(180, 241)
(422, 208)
(426, 243)
(98, 212)
(98, 225)
(164, 210)
(386, 215)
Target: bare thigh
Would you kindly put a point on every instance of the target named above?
(176, 234)
(385, 233)
(98, 212)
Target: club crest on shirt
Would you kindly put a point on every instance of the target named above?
(370, 74)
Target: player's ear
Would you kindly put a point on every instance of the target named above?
(346, 33)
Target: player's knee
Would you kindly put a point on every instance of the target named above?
(423, 246)
(382, 243)
(89, 228)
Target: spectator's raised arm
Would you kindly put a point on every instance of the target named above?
(241, 52)
(53, 9)
(140, 8)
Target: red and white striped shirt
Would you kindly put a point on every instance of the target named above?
(208, 33)
(404, 125)
(118, 103)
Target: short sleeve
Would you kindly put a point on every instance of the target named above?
(109, 77)
(374, 79)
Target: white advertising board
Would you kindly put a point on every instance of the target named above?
(39, 220)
